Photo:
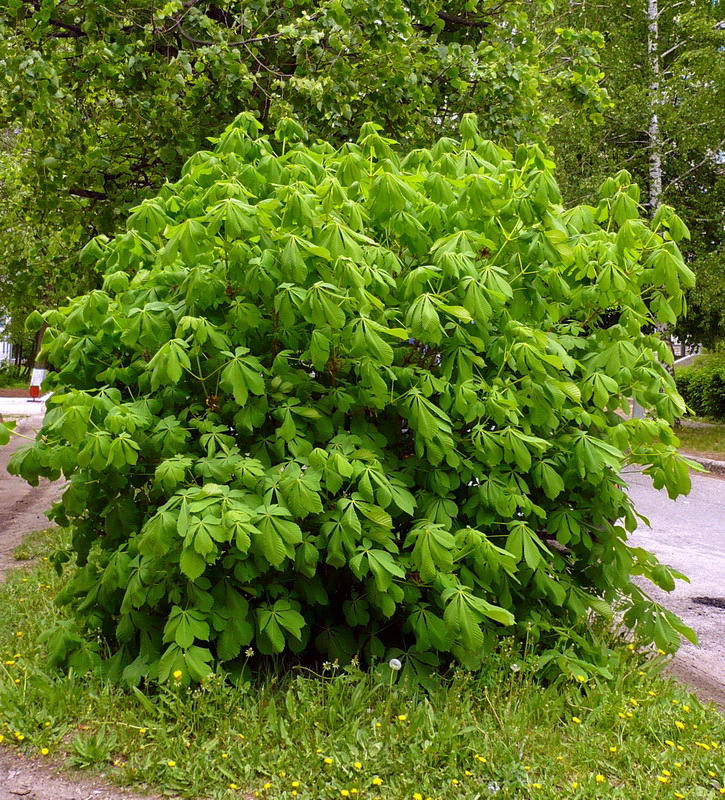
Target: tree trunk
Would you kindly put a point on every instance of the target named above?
(655, 143)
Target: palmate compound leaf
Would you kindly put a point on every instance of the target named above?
(330, 400)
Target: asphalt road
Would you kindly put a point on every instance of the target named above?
(689, 535)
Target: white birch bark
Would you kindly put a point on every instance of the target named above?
(655, 157)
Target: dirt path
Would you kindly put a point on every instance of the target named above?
(22, 779)
(22, 510)
(22, 507)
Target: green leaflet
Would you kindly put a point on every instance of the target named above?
(242, 374)
(433, 549)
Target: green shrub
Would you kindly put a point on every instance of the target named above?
(338, 402)
(702, 386)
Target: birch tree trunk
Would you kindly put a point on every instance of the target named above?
(655, 158)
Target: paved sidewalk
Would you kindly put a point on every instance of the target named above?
(22, 406)
(689, 535)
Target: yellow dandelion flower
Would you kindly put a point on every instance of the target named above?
(295, 784)
(19, 736)
(241, 736)
(581, 678)
(455, 781)
(2, 738)
(711, 773)
(44, 751)
(357, 765)
(9, 663)
(377, 781)
(47, 724)
(629, 714)
(225, 755)
(267, 785)
(282, 774)
(652, 694)
(675, 702)
(680, 725)
(536, 785)
(171, 763)
(480, 758)
(703, 745)
(666, 772)
(640, 672)
(294, 793)
(327, 760)
(417, 796)
(669, 742)
(576, 720)
(663, 779)
(621, 715)
(344, 793)
(714, 745)
(634, 701)
(560, 758)
(612, 749)
(353, 791)
(233, 786)
(142, 731)
(722, 791)
(178, 674)
(600, 779)
(680, 747)
(678, 764)
(402, 717)
(630, 647)
(378, 724)
(468, 773)
(574, 784)
(679, 796)
(661, 651)
(527, 768)
(686, 709)
(19, 634)
(17, 680)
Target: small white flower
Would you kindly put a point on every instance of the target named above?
(395, 664)
(493, 787)
(515, 668)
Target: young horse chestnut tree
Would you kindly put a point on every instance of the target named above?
(337, 402)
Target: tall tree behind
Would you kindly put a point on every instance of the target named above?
(104, 101)
(665, 72)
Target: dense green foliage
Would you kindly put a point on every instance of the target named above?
(102, 101)
(702, 386)
(689, 107)
(339, 402)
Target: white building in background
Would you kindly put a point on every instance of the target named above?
(6, 349)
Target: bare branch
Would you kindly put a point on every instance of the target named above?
(708, 157)
(88, 193)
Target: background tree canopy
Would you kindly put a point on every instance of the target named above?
(689, 103)
(102, 102)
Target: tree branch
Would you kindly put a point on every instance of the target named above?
(709, 157)
(240, 43)
(88, 193)
(467, 22)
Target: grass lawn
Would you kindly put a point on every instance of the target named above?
(344, 733)
(708, 442)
